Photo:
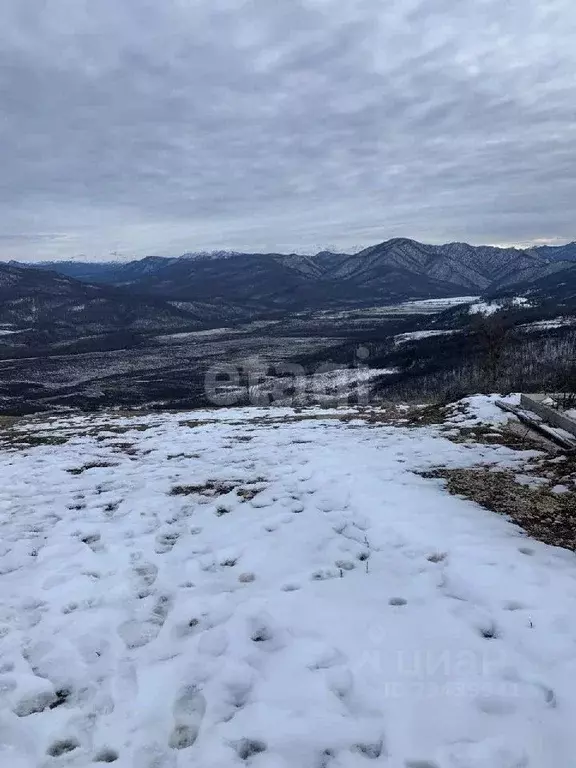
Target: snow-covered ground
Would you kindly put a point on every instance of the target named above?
(402, 338)
(491, 307)
(260, 588)
(546, 325)
(428, 306)
(442, 304)
(481, 409)
(416, 307)
(216, 332)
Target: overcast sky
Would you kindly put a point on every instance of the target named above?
(141, 127)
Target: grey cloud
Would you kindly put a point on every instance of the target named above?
(156, 127)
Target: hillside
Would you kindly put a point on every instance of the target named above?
(558, 252)
(556, 293)
(37, 301)
(277, 590)
(107, 272)
(468, 267)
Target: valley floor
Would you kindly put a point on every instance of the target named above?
(275, 590)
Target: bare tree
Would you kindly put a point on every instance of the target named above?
(493, 335)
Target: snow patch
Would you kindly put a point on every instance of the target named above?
(492, 307)
(441, 304)
(476, 409)
(543, 325)
(402, 338)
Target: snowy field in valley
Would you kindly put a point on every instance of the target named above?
(402, 338)
(259, 588)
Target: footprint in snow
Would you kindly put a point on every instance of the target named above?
(371, 750)
(236, 690)
(264, 634)
(187, 628)
(145, 574)
(137, 634)
(93, 541)
(247, 748)
(325, 658)
(513, 605)
(437, 557)
(106, 755)
(188, 712)
(62, 746)
(526, 551)
(324, 574)
(126, 681)
(165, 542)
(489, 630)
(325, 758)
(340, 681)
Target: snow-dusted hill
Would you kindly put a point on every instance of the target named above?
(276, 590)
(61, 307)
(394, 270)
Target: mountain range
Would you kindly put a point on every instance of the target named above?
(394, 270)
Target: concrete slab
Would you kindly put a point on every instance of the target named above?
(533, 402)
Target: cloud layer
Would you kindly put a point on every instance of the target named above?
(158, 126)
